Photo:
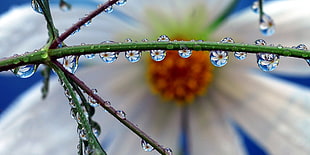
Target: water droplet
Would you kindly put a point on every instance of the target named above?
(107, 103)
(260, 42)
(227, 40)
(158, 55)
(36, 7)
(301, 47)
(96, 130)
(73, 113)
(92, 102)
(89, 56)
(133, 56)
(146, 146)
(82, 134)
(25, 71)
(71, 63)
(219, 58)
(279, 46)
(266, 25)
(255, 7)
(76, 31)
(88, 150)
(64, 6)
(108, 57)
(109, 9)
(168, 151)
(240, 55)
(87, 23)
(185, 53)
(121, 2)
(121, 114)
(267, 61)
(78, 118)
(163, 38)
(72, 104)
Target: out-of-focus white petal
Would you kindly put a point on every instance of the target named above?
(211, 131)
(274, 112)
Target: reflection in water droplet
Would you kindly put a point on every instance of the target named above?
(218, 58)
(267, 62)
(92, 102)
(240, 55)
(82, 134)
(255, 7)
(109, 9)
(70, 63)
(303, 47)
(260, 42)
(121, 2)
(185, 53)
(36, 7)
(146, 146)
(89, 56)
(72, 104)
(25, 71)
(163, 38)
(168, 151)
(266, 25)
(121, 114)
(64, 6)
(108, 57)
(133, 56)
(159, 55)
(73, 113)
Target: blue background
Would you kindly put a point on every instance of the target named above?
(12, 86)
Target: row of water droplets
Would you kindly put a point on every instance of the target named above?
(266, 24)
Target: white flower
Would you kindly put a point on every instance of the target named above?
(273, 111)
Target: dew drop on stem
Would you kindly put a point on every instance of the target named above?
(146, 146)
(36, 7)
(25, 71)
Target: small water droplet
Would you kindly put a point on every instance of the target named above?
(96, 130)
(240, 55)
(89, 56)
(267, 61)
(36, 7)
(121, 2)
(168, 151)
(121, 114)
(260, 42)
(73, 113)
(279, 46)
(72, 104)
(301, 47)
(163, 38)
(266, 25)
(82, 134)
(64, 6)
(107, 103)
(108, 57)
(109, 9)
(87, 23)
(133, 56)
(227, 40)
(92, 102)
(78, 118)
(71, 63)
(255, 7)
(146, 146)
(25, 71)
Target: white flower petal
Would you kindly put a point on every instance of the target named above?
(275, 112)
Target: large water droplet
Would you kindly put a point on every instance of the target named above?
(255, 7)
(134, 55)
(146, 146)
(82, 134)
(109, 9)
(185, 53)
(25, 71)
(121, 114)
(240, 55)
(96, 129)
(71, 63)
(108, 57)
(267, 61)
(64, 6)
(266, 25)
(159, 55)
(92, 102)
(121, 2)
(219, 58)
(36, 7)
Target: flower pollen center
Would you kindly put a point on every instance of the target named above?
(180, 79)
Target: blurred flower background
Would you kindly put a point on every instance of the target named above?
(268, 114)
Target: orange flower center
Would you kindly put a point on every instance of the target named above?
(180, 79)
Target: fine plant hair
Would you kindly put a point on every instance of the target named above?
(80, 95)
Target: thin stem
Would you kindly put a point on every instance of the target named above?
(76, 26)
(84, 121)
(43, 56)
(261, 11)
(111, 110)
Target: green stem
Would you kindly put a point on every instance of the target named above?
(43, 56)
(92, 140)
(111, 110)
